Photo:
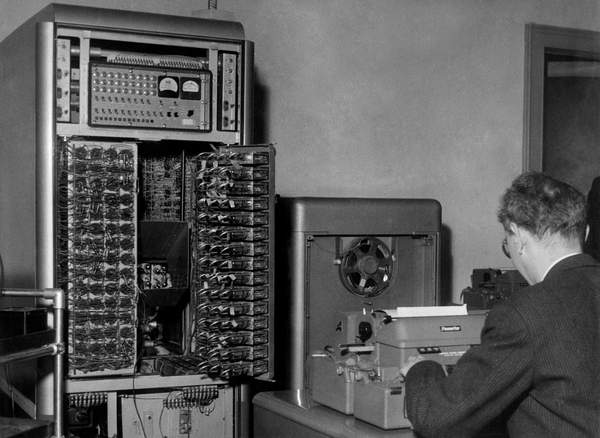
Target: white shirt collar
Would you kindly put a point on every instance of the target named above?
(558, 260)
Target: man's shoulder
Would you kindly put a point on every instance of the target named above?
(562, 285)
(572, 267)
(574, 273)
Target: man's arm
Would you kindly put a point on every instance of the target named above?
(485, 381)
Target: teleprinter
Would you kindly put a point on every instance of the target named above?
(359, 373)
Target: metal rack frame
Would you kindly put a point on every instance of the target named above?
(55, 349)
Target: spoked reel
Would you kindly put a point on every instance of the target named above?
(366, 268)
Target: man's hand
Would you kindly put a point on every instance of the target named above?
(410, 362)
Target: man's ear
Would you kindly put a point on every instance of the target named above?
(587, 233)
(521, 234)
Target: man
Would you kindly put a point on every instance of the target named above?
(538, 363)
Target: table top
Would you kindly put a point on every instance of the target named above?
(297, 406)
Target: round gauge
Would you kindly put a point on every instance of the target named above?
(190, 86)
(168, 86)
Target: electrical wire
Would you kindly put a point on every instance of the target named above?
(137, 411)
(162, 410)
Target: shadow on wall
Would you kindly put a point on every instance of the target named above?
(261, 111)
(446, 266)
(262, 135)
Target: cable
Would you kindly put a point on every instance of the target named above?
(160, 422)
(161, 415)
(137, 411)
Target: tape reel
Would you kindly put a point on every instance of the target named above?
(366, 267)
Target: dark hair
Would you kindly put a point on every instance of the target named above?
(543, 205)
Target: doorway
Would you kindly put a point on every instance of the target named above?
(562, 104)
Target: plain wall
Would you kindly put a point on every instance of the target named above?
(389, 98)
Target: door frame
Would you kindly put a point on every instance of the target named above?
(538, 38)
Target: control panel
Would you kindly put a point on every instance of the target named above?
(105, 85)
(228, 92)
(149, 98)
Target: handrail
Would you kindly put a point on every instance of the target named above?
(30, 353)
(55, 349)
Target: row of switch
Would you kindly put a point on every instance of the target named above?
(130, 112)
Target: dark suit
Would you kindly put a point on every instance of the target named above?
(538, 363)
(592, 243)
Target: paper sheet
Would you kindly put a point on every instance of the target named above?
(405, 312)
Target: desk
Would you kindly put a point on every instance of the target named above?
(293, 414)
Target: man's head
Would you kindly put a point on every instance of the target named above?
(543, 219)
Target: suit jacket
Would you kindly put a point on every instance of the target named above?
(592, 243)
(538, 363)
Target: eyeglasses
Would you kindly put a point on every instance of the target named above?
(505, 247)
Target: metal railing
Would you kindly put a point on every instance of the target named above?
(55, 349)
